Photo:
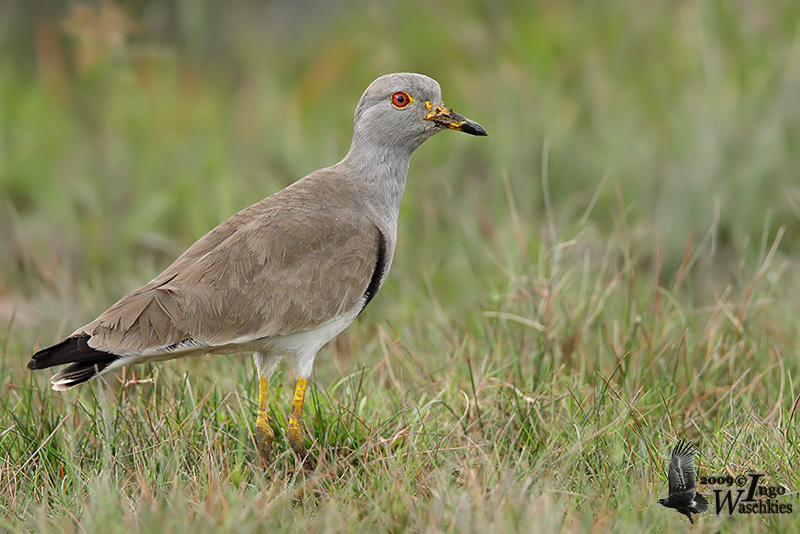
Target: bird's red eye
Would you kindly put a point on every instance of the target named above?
(400, 99)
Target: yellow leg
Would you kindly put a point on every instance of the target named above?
(264, 433)
(295, 429)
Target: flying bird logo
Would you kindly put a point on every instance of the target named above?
(683, 496)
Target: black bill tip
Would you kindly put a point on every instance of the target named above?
(450, 119)
(472, 128)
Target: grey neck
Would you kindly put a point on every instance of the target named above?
(381, 171)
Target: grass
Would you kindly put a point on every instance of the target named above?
(612, 269)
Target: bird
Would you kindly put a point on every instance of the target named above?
(284, 276)
(683, 496)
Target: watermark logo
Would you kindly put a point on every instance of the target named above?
(682, 495)
(750, 495)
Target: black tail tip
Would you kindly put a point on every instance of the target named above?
(74, 349)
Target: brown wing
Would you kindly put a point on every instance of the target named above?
(286, 264)
(681, 468)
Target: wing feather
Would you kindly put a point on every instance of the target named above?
(286, 264)
(681, 472)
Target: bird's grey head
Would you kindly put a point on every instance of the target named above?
(402, 110)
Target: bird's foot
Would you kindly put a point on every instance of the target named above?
(264, 438)
(263, 432)
(294, 431)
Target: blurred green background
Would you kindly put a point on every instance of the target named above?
(129, 129)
